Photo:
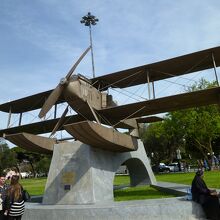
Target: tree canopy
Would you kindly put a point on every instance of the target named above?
(18, 157)
(7, 157)
(192, 130)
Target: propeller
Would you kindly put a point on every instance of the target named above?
(60, 122)
(55, 94)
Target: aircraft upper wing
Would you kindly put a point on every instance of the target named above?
(134, 110)
(157, 71)
(177, 66)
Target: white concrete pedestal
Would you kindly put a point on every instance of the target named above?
(81, 174)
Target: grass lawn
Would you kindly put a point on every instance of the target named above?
(34, 186)
(139, 193)
(212, 178)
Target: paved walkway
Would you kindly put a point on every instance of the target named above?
(174, 188)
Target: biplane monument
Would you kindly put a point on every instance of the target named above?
(82, 171)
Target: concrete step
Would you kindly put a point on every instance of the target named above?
(153, 209)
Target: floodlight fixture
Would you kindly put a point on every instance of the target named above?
(88, 21)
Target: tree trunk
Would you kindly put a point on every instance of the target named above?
(32, 166)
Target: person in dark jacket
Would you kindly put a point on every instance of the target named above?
(3, 189)
(209, 199)
(14, 200)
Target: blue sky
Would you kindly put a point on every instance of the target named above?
(41, 39)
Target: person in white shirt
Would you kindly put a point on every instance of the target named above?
(12, 172)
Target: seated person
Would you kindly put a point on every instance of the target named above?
(209, 199)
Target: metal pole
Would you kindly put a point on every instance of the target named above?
(216, 76)
(93, 66)
(90, 20)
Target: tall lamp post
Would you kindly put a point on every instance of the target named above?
(90, 20)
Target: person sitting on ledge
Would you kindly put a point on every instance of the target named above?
(209, 199)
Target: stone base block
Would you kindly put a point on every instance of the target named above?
(81, 174)
(155, 209)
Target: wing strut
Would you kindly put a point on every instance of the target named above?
(93, 112)
(216, 76)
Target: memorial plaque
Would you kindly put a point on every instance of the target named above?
(68, 178)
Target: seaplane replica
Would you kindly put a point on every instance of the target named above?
(95, 108)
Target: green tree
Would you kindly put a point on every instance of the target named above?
(39, 163)
(7, 157)
(174, 129)
(156, 143)
(43, 165)
(193, 131)
(199, 126)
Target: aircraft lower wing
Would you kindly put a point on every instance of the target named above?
(40, 127)
(165, 104)
(28, 103)
(149, 119)
(47, 126)
(118, 113)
